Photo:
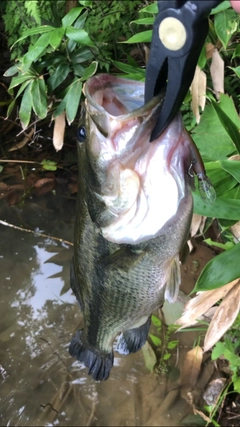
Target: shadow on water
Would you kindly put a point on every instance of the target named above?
(40, 383)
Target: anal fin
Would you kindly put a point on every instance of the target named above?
(133, 340)
(99, 364)
(173, 280)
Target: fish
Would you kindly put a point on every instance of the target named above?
(133, 215)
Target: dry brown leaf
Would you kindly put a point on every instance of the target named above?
(191, 367)
(235, 230)
(209, 50)
(198, 223)
(58, 132)
(235, 157)
(200, 304)
(43, 181)
(224, 317)
(198, 90)
(25, 140)
(217, 73)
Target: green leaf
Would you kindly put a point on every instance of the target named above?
(37, 50)
(156, 321)
(71, 16)
(172, 344)
(58, 76)
(26, 106)
(232, 130)
(156, 341)
(11, 107)
(202, 58)
(221, 270)
(219, 178)
(49, 165)
(223, 6)
(142, 37)
(33, 31)
(129, 69)
(144, 21)
(56, 37)
(73, 99)
(39, 97)
(86, 3)
(90, 71)
(232, 167)
(225, 25)
(236, 70)
(236, 52)
(218, 350)
(20, 79)
(166, 356)
(225, 246)
(222, 208)
(81, 55)
(152, 8)
(236, 385)
(79, 36)
(11, 71)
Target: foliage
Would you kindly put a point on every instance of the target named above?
(164, 345)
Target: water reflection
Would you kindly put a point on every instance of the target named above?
(40, 383)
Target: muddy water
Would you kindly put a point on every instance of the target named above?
(40, 383)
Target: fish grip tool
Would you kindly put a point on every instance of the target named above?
(179, 32)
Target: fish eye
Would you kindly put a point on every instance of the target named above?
(81, 134)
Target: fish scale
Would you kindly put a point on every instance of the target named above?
(120, 276)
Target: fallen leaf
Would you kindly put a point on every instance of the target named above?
(209, 50)
(198, 90)
(58, 132)
(214, 391)
(191, 368)
(235, 157)
(198, 223)
(43, 181)
(200, 304)
(149, 356)
(224, 317)
(217, 73)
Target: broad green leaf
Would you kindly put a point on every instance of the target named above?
(144, 21)
(225, 246)
(221, 270)
(142, 37)
(71, 16)
(236, 384)
(220, 179)
(79, 36)
(11, 71)
(56, 37)
(33, 31)
(223, 6)
(225, 25)
(232, 167)
(11, 107)
(86, 3)
(236, 70)
(236, 51)
(37, 50)
(156, 321)
(39, 97)
(218, 350)
(58, 76)
(49, 165)
(211, 137)
(202, 58)
(129, 69)
(172, 344)
(222, 208)
(81, 55)
(152, 8)
(22, 88)
(26, 107)
(20, 79)
(156, 341)
(60, 109)
(72, 100)
(228, 106)
(78, 70)
(90, 71)
(166, 356)
(81, 20)
(228, 124)
(132, 76)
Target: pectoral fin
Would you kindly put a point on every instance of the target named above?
(173, 280)
(132, 340)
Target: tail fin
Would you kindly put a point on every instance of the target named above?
(132, 340)
(99, 364)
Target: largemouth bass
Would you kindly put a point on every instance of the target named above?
(134, 211)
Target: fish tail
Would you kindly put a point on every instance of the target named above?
(132, 340)
(99, 365)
